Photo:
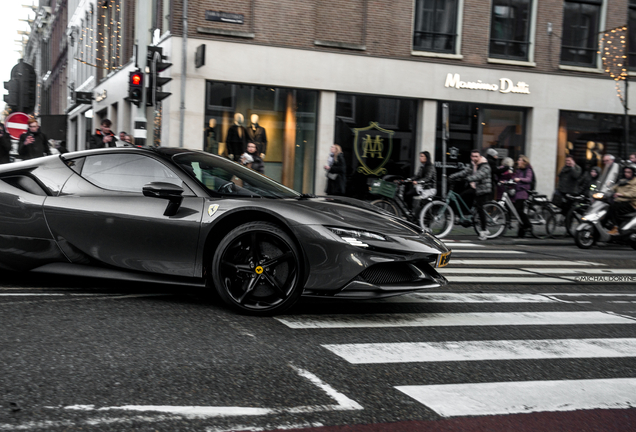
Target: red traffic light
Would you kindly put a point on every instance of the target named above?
(135, 79)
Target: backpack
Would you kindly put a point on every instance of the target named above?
(533, 182)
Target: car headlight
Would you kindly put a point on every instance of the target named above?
(356, 237)
(598, 195)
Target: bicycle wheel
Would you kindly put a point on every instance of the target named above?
(538, 216)
(495, 220)
(387, 205)
(437, 218)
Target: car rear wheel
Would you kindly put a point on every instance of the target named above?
(256, 269)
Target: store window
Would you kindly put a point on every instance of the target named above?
(579, 43)
(377, 136)
(280, 121)
(435, 27)
(510, 29)
(631, 25)
(589, 136)
(474, 126)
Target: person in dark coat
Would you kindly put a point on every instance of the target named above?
(588, 182)
(257, 163)
(523, 176)
(103, 137)
(33, 143)
(336, 170)
(568, 183)
(425, 180)
(5, 145)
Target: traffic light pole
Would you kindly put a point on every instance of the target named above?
(142, 37)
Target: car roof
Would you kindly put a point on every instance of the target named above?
(164, 152)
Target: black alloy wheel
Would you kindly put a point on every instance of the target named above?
(257, 269)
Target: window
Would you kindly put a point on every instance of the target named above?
(435, 27)
(126, 172)
(580, 32)
(510, 29)
(632, 35)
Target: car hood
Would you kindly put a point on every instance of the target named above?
(350, 212)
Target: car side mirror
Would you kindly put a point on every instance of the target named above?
(172, 192)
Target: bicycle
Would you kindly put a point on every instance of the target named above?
(393, 198)
(537, 207)
(439, 218)
(578, 208)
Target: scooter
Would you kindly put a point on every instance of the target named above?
(591, 229)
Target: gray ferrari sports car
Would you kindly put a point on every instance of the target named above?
(170, 215)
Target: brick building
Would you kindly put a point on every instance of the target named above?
(522, 76)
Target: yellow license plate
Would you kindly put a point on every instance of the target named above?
(443, 259)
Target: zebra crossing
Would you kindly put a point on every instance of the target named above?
(463, 269)
(495, 397)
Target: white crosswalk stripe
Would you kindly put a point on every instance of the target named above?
(496, 397)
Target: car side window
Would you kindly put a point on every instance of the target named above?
(126, 172)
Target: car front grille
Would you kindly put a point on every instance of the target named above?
(388, 273)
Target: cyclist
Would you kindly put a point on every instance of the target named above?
(478, 175)
(424, 182)
(523, 177)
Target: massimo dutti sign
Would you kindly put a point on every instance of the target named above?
(505, 85)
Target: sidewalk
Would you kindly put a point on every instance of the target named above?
(460, 233)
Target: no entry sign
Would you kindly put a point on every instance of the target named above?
(16, 124)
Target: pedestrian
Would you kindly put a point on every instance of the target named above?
(122, 136)
(624, 194)
(424, 182)
(479, 177)
(103, 137)
(610, 173)
(33, 143)
(523, 176)
(632, 158)
(257, 163)
(568, 184)
(5, 145)
(336, 170)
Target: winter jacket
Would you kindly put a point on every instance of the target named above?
(587, 184)
(338, 185)
(38, 148)
(258, 165)
(569, 179)
(5, 148)
(426, 176)
(480, 175)
(97, 140)
(627, 189)
(525, 180)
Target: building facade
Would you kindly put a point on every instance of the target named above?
(296, 76)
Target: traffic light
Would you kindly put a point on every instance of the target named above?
(135, 86)
(12, 98)
(156, 64)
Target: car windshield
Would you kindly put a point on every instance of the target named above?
(224, 177)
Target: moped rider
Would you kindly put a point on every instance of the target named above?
(624, 194)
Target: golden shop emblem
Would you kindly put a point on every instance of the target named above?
(373, 146)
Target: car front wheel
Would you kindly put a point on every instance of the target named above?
(256, 269)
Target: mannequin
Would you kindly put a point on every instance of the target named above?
(236, 139)
(212, 144)
(257, 135)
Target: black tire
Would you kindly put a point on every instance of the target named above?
(573, 219)
(496, 220)
(585, 237)
(387, 205)
(256, 269)
(437, 218)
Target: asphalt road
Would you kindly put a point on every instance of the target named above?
(91, 355)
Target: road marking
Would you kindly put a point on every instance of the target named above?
(522, 262)
(451, 400)
(453, 244)
(566, 271)
(451, 319)
(374, 353)
(456, 270)
(496, 279)
(467, 298)
(480, 251)
(267, 427)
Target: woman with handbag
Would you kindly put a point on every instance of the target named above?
(336, 171)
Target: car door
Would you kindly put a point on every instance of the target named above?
(102, 215)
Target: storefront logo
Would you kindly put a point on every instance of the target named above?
(373, 146)
(505, 85)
